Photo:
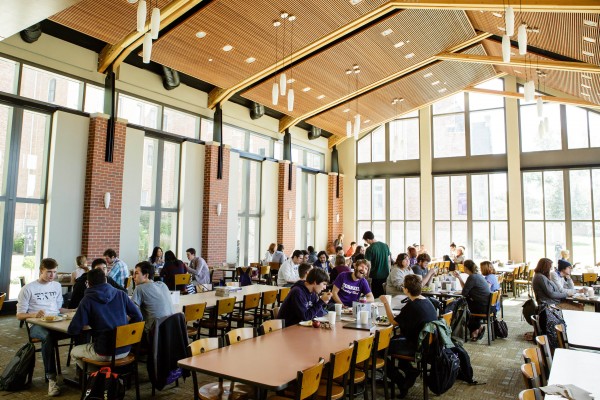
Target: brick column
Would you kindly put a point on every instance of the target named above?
(214, 227)
(286, 201)
(335, 211)
(101, 225)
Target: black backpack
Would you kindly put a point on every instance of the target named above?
(529, 309)
(104, 385)
(445, 366)
(466, 370)
(460, 316)
(18, 373)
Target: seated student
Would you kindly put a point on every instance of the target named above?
(172, 267)
(351, 250)
(477, 292)
(399, 271)
(312, 255)
(37, 299)
(103, 308)
(339, 267)
(81, 283)
(323, 262)
(562, 277)
(81, 269)
(279, 256)
(420, 268)
(489, 273)
(414, 315)
(339, 251)
(198, 267)
(306, 300)
(452, 266)
(303, 270)
(153, 298)
(288, 272)
(349, 286)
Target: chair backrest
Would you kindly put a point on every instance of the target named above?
(532, 355)
(269, 298)
(240, 334)
(225, 306)
(22, 281)
(461, 268)
(495, 296)
(590, 277)
(363, 348)
(130, 334)
(531, 394)
(251, 301)
(255, 265)
(525, 271)
(531, 274)
(274, 266)
(447, 317)
(384, 337)
(204, 345)
(309, 380)
(264, 270)
(283, 292)
(544, 347)
(194, 312)
(536, 325)
(530, 377)
(127, 282)
(272, 325)
(516, 273)
(182, 279)
(561, 335)
(446, 265)
(340, 362)
(2, 297)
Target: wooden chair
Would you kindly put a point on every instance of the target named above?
(509, 281)
(530, 377)
(283, 292)
(447, 317)
(523, 281)
(271, 326)
(216, 390)
(533, 355)
(461, 268)
(182, 280)
(332, 387)
(546, 354)
(194, 313)
(362, 352)
(537, 330)
(422, 366)
(238, 335)
(307, 382)
(274, 270)
(267, 303)
(2, 297)
(128, 281)
(264, 275)
(125, 335)
(492, 300)
(561, 335)
(383, 337)
(589, 278)
(223, 309)
(531, 394)
(248, 311)
(22, 283)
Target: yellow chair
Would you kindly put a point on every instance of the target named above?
(530, 377)
(493, 299)
(283, 292)
(2, 297)
(533, 355)
(223, 309)
(332, 386)
(561, 334)
(383, 338)
(238, 335)
(248, 311)
(194, 313)
(589, 278)
(546, 355)
(264, 275)
(531, 394)
(461, 268)
(447, 317)
(362, 352)
(271, 325)
(267, 303)
(182, 279)
(307, 382)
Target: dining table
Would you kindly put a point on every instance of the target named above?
(211, 298)
(577, 368)
(582, 329)
(585, 299)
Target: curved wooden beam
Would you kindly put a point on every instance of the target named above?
(547, 99)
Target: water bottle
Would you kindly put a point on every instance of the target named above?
(374, 313)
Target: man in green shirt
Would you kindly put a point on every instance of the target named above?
(378, 253)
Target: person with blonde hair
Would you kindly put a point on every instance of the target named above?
(81, 269)
(565, 254)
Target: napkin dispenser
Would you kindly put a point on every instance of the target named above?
(357, 307)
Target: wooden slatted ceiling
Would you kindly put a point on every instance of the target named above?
(424, 33)
(248, 27)
(376, 107)
(106, 20)
(560, 33)
(563, 81)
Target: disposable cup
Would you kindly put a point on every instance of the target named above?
(331, 318)
(338, 309)
(363, 317)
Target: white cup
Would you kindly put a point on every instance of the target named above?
(389, 299)
(338, 308)
(363, 317)
(331, 318)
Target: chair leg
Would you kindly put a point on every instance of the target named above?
(57, 355)
(385, 382)
(425, 389)
(137, 381)
(489, 331)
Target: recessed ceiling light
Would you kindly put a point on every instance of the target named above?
(321, 96)
(589, 39)
(292, 18)
(435, 83)
(276, 24)
(399, 44)
(497, 15)
(387, 32)
(442, 90)
(291, 80)
(355, 2)
(583, 85)
(518, 72)
(585, 94)
(346, 110)
(250, 60)
(210, 60)
(428, 75)
(586, 77)
(409, 55)
(587, 53)
(501, 28)
(284, 15)
(227, 47)
(306, 89)
(367, 121)
(590, 23)
(200, 34)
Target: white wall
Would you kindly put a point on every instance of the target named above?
(64, 207)
(425, 159)
(233, 205)
(347, 163)
(268, 205)
(132, 191)
(321, 212)
(191, 196)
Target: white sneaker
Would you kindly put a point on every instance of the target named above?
(53, 389)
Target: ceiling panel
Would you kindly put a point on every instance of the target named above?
(376, 54)
(560, 33)
(564, 81)
(248, 27)
(417, 89)
(106, 20)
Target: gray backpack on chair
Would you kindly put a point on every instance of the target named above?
(18, 373)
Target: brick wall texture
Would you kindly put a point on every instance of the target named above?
(286, 227)
(336, 206)
(101, 226)
(214, 228)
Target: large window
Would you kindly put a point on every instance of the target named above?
(583, 128)
(307, 207)
(24, 138)
(9, 71)
(160, 196)
(51, 88)
(139, 112)
(561, 211)
(472, 211)
(249, 211)
(371, 147)
(404, 138)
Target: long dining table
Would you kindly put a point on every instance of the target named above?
(582, 329)
(577, 368)
(280, 355)
(210, 298)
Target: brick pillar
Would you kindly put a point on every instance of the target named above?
(214, 227)
(286, 201)
(101, 225)
(335, 224)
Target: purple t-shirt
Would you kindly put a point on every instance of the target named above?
(350, 290)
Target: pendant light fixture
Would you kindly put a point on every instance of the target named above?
(283, 86)
(529, 91)
(506, 48)
(540, 107)
(509, 19)
(147, 47)
(394, 155)
(349, 130)
(142, 10)
(155, 22)
(141, 16)
(522, 34)
(353, 129)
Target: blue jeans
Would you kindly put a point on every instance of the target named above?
(48, 345)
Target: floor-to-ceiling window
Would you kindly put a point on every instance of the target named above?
(249, 181)
(307, 208)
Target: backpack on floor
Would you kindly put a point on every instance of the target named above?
(104, 385)
(19, 371)
(445, 366)
(466, 370)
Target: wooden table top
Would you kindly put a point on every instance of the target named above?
(281, 353)
(58, 326)
(583, 328)
(577, 368)
(211, 299)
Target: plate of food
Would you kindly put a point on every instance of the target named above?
(347, 311)
(52, 318)
(382, 321)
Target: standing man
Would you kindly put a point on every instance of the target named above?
(197, 267)
(117, 269)
(288, 272)
(37, 299)
(153, 298)
(349, 286)
(378, 253)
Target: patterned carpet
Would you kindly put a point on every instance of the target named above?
(497, 366)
